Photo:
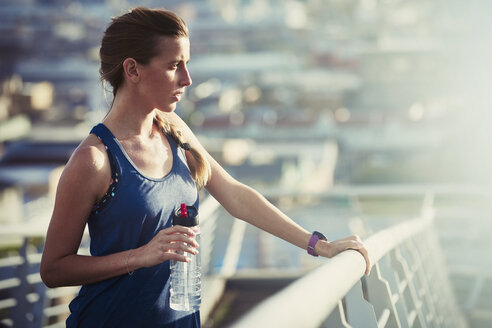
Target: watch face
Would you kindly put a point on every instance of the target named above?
(320, 235)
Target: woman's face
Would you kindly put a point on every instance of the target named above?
(165, 77)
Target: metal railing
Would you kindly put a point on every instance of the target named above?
(407, 287)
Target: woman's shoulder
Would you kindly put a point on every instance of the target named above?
(90, 153)
(89, 161)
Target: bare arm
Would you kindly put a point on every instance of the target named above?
(245, 203)
(84, 180)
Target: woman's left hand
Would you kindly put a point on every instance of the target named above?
(332, 248)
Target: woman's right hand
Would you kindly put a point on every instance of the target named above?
(165, 245)
(332, 248)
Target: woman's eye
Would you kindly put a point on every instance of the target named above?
(174, 65)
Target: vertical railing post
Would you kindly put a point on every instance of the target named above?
(39, 289)
(422, 285)
(396, 297)
(22, 315)
(30, 294)
(381, 298)
(360, 313)
(336, 318)
(407, 289)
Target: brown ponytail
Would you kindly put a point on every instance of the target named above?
(200, 171)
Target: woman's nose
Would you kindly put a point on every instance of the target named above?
(186, 78)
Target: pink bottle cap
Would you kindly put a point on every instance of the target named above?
(184, 211)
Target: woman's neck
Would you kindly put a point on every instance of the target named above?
(127, 118)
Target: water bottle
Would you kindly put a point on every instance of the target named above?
(185, 281)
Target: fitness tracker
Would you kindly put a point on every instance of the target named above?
(312, 242)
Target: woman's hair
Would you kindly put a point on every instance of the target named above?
(135, 34)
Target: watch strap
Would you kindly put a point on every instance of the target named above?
(312, 242)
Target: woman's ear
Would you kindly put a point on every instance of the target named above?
(131, 70)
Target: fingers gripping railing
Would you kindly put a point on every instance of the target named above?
(407, 287)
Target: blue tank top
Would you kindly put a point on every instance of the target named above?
(133, 210)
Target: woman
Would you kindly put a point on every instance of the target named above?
(127, 177)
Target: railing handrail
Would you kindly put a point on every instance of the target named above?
(306, 302)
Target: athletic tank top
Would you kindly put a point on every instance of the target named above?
(135, 208)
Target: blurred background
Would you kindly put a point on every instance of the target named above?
(293, 98)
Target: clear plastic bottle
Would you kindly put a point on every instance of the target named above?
(185, 280)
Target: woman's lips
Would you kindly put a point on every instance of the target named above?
(177, 96)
